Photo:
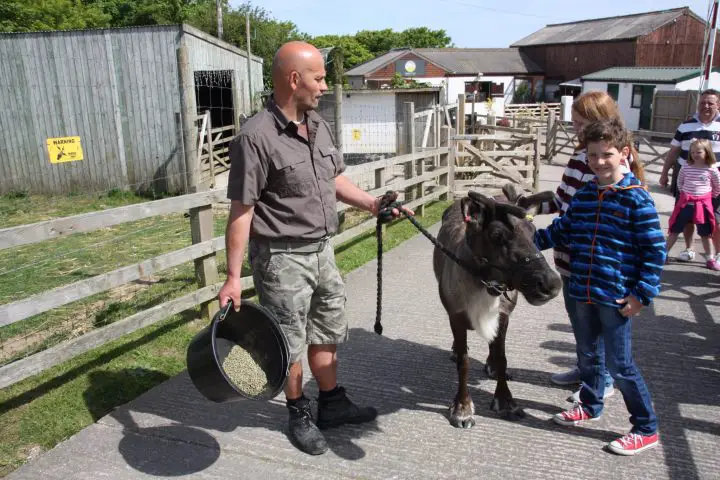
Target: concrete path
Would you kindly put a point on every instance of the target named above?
(172, 432)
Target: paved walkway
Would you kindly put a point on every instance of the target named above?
(172, 432)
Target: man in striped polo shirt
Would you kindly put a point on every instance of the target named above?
(705, 123)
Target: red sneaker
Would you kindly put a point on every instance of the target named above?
(633, 443)
(574, 416)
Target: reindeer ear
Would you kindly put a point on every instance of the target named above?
(475, 207)
(533, 203)
(510, 192)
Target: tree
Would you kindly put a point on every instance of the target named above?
(24, 16)
(423, 37)
(351, 51)
(378, 42)
(266, 33)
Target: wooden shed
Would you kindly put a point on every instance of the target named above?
(665, 38)
(93, 110)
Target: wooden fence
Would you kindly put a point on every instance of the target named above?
(493, 155)
(532, 110)
(652, 146)
(421, 179)
(427, 124)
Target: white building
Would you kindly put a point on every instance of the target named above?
(634, 88)
(485, 73)
(372, 119)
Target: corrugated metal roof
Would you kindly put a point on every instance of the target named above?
(645, 74)
(459, 60)
(603, 29)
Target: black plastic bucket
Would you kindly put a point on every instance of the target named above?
(258, 332)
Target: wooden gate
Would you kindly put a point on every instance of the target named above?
(485, 162)
(213, 149)
(671, 108)
(561, 138)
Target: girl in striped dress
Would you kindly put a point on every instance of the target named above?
(698, 184)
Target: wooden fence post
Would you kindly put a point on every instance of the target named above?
(211, 148)
(201, 229)
(338, 118)
(446, 160)
(189, 115)
(460, 122)
(550, 136)
(437, 122)
(453, 144)
(536, 161)
(409, 122)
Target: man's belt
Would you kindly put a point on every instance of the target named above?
(298, 246)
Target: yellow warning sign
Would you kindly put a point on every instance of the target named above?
(64, 149)
(356, 134)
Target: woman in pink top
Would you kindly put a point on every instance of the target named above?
(698, 183)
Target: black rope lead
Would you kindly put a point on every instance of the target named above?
(387, 203)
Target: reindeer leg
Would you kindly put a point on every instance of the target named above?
(503, 401)
(491, 362)
(462, 409)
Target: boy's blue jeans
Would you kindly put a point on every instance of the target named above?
(593, 322)
(570, 305)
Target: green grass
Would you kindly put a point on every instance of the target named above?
(39, 412)
(20, 208)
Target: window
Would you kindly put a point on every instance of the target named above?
(497, 89)
(613, 89)
(637, 92)
(482, 90)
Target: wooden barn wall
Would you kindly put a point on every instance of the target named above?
(678, 44)
(559, 62)
(116, 89)
(204, 55)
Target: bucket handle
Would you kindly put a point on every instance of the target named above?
(225, 310)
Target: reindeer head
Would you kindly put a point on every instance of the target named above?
(500, 237)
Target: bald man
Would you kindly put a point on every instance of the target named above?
(285, 180)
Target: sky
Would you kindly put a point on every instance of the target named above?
(469, 23)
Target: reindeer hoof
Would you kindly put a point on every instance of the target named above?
(462, 423)
(461, 416)
(492, 373)
(507, 409)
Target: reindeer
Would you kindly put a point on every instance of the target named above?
(496, 258)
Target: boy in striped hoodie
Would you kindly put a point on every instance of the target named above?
(617, 253)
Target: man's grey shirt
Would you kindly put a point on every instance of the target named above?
(289, 180)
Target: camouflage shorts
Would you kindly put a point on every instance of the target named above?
(304, 291)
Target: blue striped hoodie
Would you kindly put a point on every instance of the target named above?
(617, 246)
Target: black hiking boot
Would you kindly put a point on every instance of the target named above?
(337, 409)
(303, 432)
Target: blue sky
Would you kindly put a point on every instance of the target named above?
(470, 23)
